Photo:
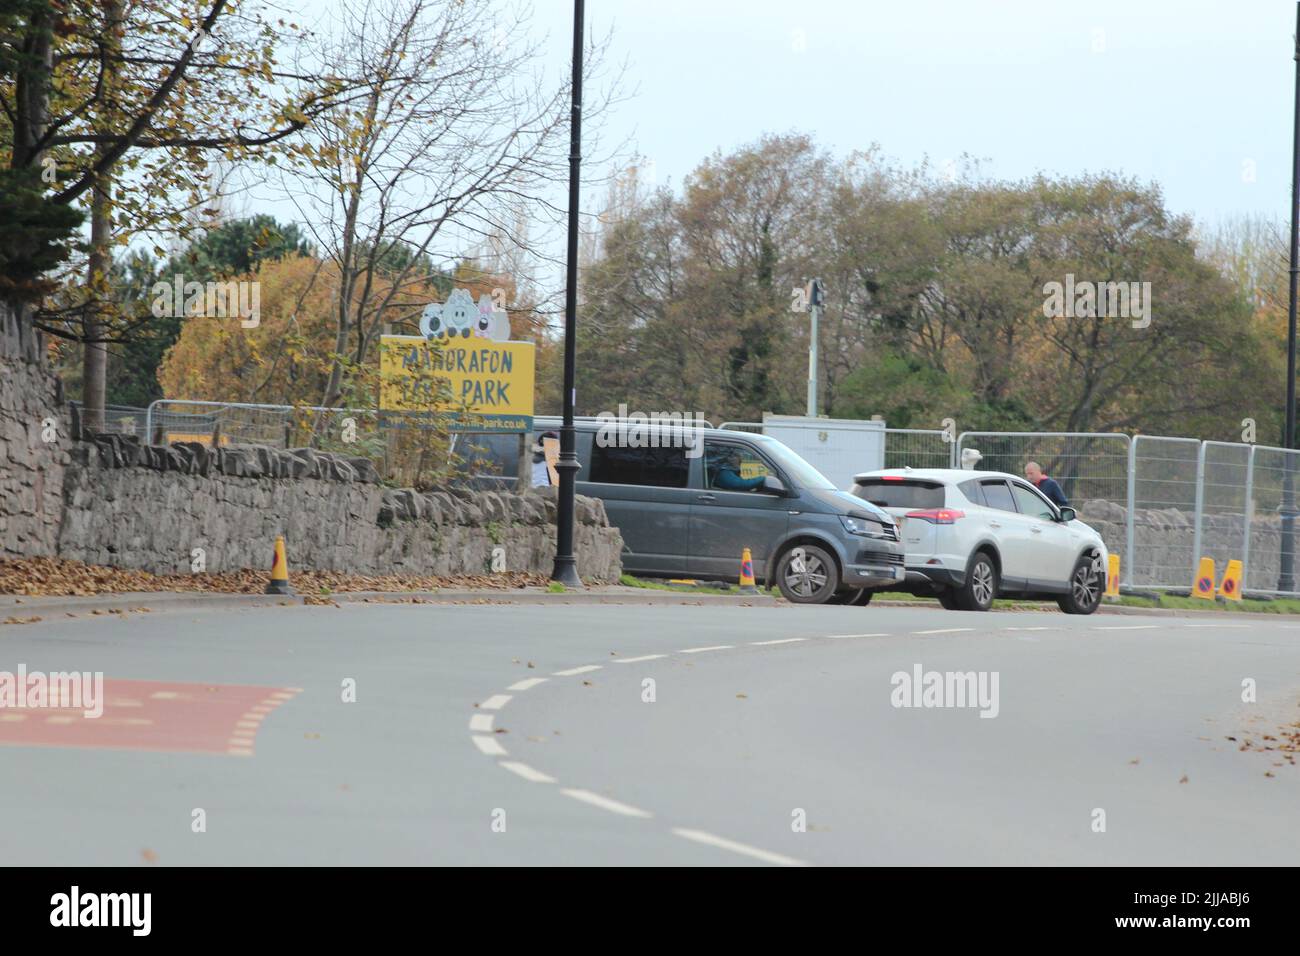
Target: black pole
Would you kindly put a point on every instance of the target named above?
(1286, 571)
(566, 569)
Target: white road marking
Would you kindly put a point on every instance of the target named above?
(945, 630)
(527, 772)
(1031, 629)
(585, 669)
(784, 640)
(701, 650)
(495, 702)
(527, 683)
(637, 660)
(1125, 627)
(840, 637)
(489, 746)
(482, 723)
(613, 806)
(699, 836)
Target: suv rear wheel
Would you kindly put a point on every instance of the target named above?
(981, 585)
(1085, 587)
(807, 574)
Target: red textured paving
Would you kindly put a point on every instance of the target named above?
(153, 715)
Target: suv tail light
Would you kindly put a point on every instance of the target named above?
(938, 515)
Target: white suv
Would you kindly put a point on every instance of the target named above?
(971, 536)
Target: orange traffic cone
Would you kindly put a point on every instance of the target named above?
(747, 573)
(279, 583)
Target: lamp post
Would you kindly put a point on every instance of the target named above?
(1286, 569)
(566, 570)
(814, 307)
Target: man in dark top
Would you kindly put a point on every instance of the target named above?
(726, 475)
(1034, 473)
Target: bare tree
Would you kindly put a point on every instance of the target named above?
(457, 136)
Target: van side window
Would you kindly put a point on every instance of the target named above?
(730, 467)
(656, 467)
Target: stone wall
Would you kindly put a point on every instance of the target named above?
(113, 501)
(31, 468)
(148, 507)
(1164, 542)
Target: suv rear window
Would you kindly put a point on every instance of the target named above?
(907, 493)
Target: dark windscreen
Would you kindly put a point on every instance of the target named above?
(900, 494)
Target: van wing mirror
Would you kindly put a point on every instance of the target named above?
(1068, 515)
(773, 485)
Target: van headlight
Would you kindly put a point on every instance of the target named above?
(864, 527)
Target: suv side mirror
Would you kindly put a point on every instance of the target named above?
(773, 485)
(1068, 515)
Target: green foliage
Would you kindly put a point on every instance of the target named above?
(238, 247)
(35, 234)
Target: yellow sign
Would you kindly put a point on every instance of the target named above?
(1112, 575)
(1204, 586)
(202, 438)
(1230, 589)
(493, 381)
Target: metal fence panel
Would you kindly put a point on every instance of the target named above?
(1164, 511)
(1268, 500)
(918, 448)
(1088, 466)
(1091, 468)
(1225, 502)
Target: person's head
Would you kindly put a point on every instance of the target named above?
(538, 445)
(1034, 472)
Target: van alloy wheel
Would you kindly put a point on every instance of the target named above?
(807, 574)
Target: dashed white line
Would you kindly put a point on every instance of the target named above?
(526, 683)
(700, 836)
(1030, 629)
(613, 806)
(637, 660)
(527, 772)
(585, 669)
(495, 702)
(784, 640)
(482, 723)
(945, 630)
(488, 745)
(701, 650)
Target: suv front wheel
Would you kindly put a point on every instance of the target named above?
(1085, 587)
(807, 574)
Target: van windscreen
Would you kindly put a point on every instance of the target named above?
(906, 493)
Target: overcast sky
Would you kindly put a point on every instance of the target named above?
(1196, 95)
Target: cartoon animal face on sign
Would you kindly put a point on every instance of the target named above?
(458, 316)
(492, 323)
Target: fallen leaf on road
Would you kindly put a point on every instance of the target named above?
(743, 696)
(1184, 780)
(149, 855)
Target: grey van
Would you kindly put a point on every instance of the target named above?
(691, 511)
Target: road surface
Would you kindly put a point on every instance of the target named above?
(497, 734)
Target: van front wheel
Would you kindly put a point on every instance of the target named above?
(807, 574)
